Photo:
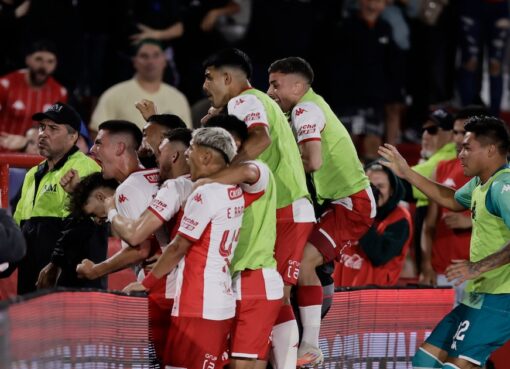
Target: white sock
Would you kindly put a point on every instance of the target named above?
(285, 345)
(311, 321)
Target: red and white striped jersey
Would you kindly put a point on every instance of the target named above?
(212, 220)
(19, 101)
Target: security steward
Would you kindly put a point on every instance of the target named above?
(42, 208)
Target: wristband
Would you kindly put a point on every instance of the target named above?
(150, 281)
(111, 214)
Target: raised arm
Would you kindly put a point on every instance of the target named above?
(443, 195)
(258, 140)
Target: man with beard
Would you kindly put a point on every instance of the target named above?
(27, 91)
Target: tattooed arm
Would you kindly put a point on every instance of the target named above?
(462, 270)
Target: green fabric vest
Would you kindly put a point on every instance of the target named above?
(426, 169)
(51, 200)
(341, 173)
(489, 235)
(282, 156)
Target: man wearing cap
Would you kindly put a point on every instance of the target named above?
(42, 209)
(118, 102)
(437, 145)
(27, 91)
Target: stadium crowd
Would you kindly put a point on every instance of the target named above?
(262, 196)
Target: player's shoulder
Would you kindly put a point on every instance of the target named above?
(9, 80)
(305, 107)
(143, 177)
(243, 101)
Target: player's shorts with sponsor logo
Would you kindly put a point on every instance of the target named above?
(343, 223)
(259, 296)
(196, 343)
(475, 328)
(293, 226)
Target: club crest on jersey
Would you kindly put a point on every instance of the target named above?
(238, 102)
(235, 193)
(300, 111)
(122, 198)
(152, 177)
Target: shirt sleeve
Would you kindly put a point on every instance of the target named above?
(463, 194)
(197, 214)
(167, 201)
(500, 198)
(130, 201)
(262, 182)
(308, 121)
(249, 109)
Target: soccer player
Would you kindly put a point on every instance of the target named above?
(479, 325)
(330, 157)
(203, 248)
(257, 284)
(270, 140)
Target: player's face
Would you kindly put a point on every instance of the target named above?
(215, 87)
(473, 156)
(381, 181)
(281, 90)
(153, 134)
(95, 204)
(104, 152)
(194, 159)
(150, 62)
(458, 134)
(41, 65)
(169, 154)
(54, 140)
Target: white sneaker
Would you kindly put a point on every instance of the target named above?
(309, 356)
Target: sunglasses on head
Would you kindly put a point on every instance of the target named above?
(431, 130)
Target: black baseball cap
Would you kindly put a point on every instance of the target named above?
(60, 113)
(442, 118)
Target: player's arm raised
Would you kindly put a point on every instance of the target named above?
(258, 140)
(443, 195)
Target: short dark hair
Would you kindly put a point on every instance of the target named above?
(42, 45)
(150, 41)
(230, 123)
(170, 121)
(123, 126)
(182, 135)
(490, 130)
(293, 65)
(78, 198)
(471, 111)
(230, 57)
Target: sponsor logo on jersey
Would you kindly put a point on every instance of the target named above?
(235, 193)
(158, 205)
(252, 117)
(188, 223)
(48, 187)
(198, 198)
(122, 198)
(300, 111)
(152, 177)
(238, 102)
(307, 129)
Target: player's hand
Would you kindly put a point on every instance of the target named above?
(109, 204)
(210, 113)
(70, 180)
(12, 142)
(461, 270)
(86, 269)
(147, 108)
(22, 9)
(428, 275)
(457, 220)
(394, 160)
(149, 263)
(48, 276)
(134, 287)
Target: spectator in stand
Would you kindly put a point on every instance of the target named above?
(366, 74)
(483, 24)
(118, 102)
(445, 234)
(379, 256)
(437, 146)
(27, 91)
(42, 210)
